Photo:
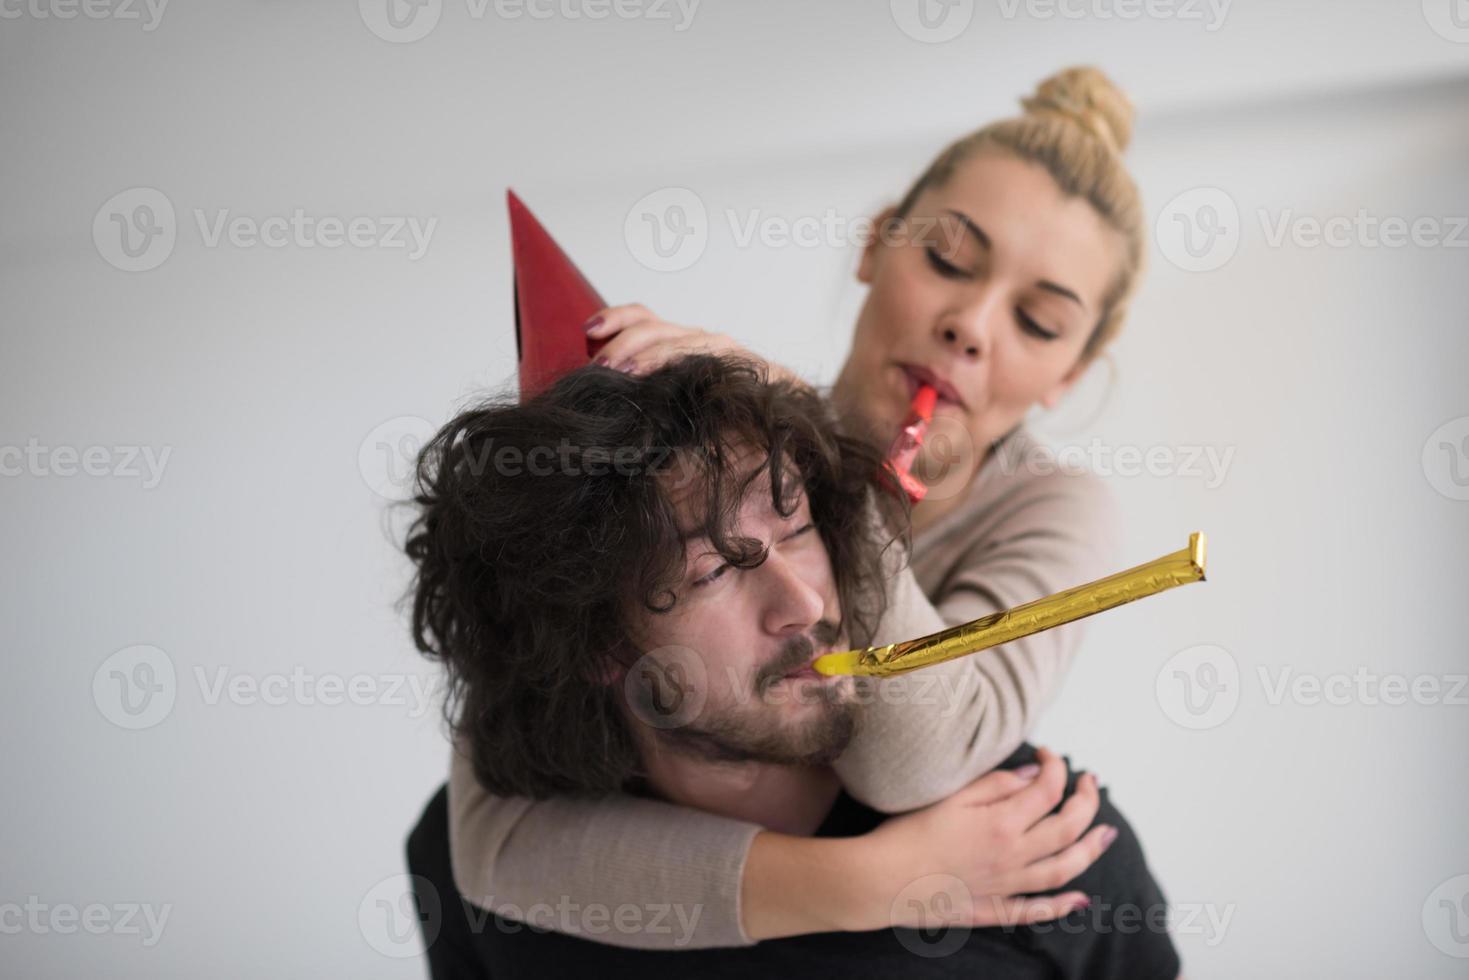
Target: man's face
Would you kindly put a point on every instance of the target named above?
(726, 673)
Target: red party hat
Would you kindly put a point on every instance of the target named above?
(553, 302)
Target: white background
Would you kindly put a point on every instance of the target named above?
(1322, 830)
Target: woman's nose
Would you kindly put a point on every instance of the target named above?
(966, 331)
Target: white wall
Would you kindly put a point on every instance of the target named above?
(263, 550)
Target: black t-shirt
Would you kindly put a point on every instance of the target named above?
(1122, 934)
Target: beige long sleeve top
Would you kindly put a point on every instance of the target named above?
(1019, 534)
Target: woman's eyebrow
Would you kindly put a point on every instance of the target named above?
(969, 226)
(1060, 290)
(984, 239)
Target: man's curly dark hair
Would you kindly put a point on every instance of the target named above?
(543, 527)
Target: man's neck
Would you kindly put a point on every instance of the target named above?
(787, 799)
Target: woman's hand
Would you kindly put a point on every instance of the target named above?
(964, 860)
(961, 862)
(637, 341)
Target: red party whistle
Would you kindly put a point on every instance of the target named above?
(905, 447)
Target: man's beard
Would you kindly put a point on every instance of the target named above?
(744, 733)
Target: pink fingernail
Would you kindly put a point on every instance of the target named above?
(593, 324)
(600, 361)
(1108, 836)
(1028, 771)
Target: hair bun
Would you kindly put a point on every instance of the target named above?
(1088, 97)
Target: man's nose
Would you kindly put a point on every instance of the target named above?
(793, 601)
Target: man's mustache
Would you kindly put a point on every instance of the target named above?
(798, 651)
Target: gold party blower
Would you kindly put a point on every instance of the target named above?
(1179, 568)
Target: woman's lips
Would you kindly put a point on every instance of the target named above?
(919, 376)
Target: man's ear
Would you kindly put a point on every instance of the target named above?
(867, 267)
(1056, 392)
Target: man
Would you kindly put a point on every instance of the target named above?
(628, 579)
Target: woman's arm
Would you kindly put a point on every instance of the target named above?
(923, 735)
(687, 879)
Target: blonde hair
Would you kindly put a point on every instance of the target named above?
(1076, 126)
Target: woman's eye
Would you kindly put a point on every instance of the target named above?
(944, 267)
(1033, 328)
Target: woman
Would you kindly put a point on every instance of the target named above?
(1002, 274)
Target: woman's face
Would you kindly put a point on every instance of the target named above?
(989, 289)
